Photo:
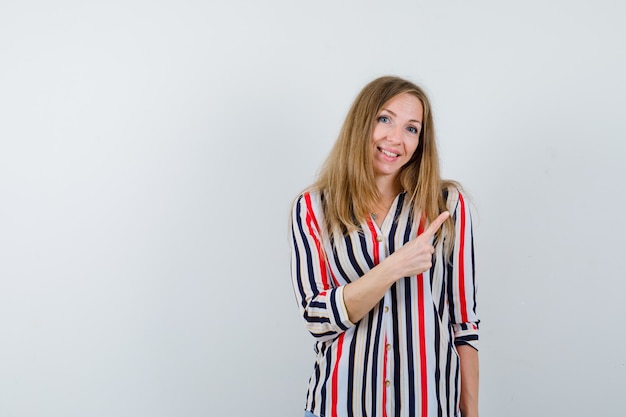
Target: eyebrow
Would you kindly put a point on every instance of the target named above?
(395, 115)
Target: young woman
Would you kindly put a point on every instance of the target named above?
(383, 268)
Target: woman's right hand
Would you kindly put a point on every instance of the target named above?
(361, 295)
(416, 255)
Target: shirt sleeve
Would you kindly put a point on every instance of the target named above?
(462, 281)
(319, 296)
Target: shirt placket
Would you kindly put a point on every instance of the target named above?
(380, 253)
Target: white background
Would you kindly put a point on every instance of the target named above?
(150, 150)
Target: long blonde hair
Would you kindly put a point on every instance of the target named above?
(346, 180)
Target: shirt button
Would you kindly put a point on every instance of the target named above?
(386, 309)
(387, 383)
(388, 346)
(379, 238)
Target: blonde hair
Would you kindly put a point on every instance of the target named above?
(346, 180)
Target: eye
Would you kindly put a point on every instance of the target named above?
(383, 119)
(412, 129)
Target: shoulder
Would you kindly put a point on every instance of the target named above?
(454, 197)
(309, 200)
(307, 211)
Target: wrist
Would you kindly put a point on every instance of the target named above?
(388, 271)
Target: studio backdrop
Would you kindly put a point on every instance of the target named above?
(150, 152)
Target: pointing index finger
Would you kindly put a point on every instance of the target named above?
(435, 225)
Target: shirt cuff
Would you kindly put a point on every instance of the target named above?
(466, 334)
(339, 316)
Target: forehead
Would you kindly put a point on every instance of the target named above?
(405, 105)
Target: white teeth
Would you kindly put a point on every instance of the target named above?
(393, 155)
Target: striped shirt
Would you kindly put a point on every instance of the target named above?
(401, 358)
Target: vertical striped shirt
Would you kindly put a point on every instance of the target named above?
(401, 358)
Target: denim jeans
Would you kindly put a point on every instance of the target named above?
(309, 414)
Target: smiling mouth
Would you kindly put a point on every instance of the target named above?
(389, 154)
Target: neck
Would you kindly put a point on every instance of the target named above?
(388, 187)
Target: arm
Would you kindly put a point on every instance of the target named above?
(319, 297)
(469, 380)
(363, 294)
(329, 309)
(411, 259)
(462, 302)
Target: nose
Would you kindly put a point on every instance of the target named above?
(395, 134)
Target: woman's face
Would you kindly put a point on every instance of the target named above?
(396, 134)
